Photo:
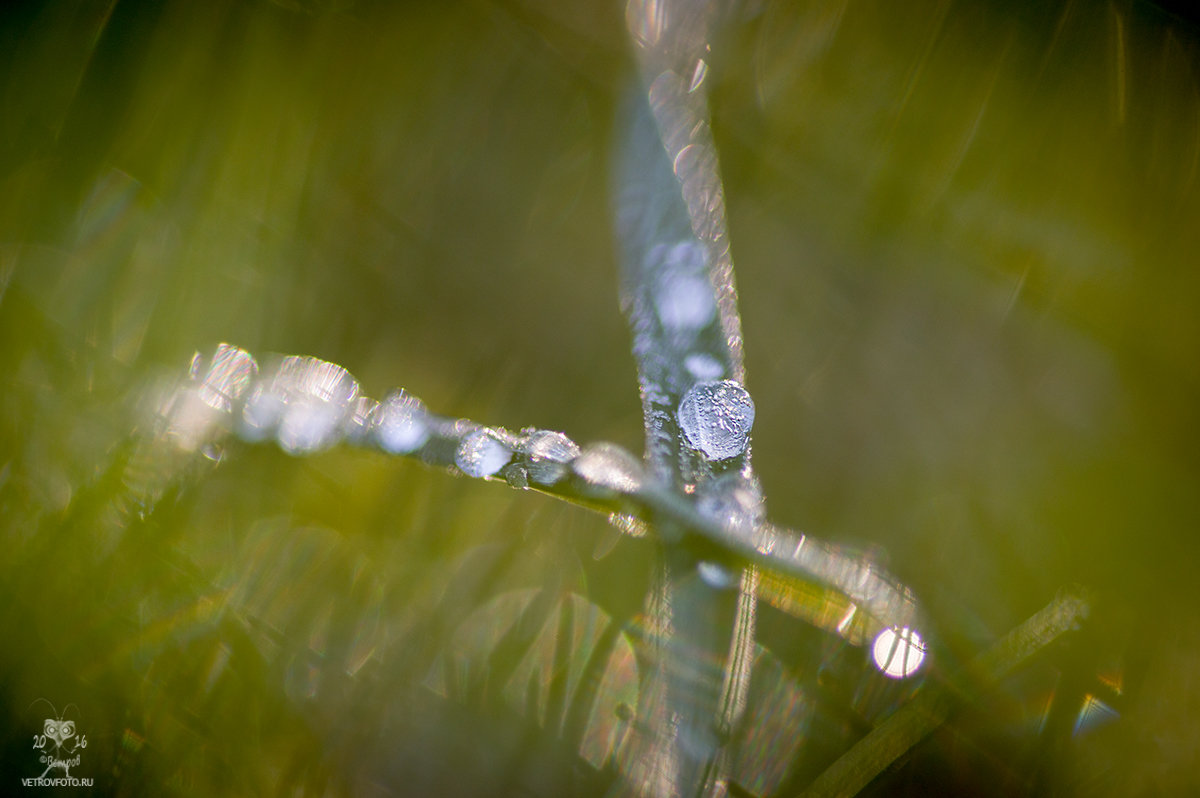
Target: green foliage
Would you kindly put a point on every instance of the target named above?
(964, 236)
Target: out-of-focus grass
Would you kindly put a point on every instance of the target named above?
(965, 237)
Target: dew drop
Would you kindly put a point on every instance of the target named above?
(400, 423)
(549, 453)
(200, 411)
(685, 303)
(261, 413)
(683, 295)
(716, 576)
(607, 468)
(482, 454)
(516, 475)
(703, 367)
(318, 396)
(190, 423)
(229, 375)
(629, 525)
(308, 426)
(733, 501)
(716, 418)
(898, 652)
(356, 427)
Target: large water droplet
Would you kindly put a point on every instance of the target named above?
(482, 454)
(716, 418)
(400, 423)
(549, 453)
(318, 396)
(607, 468)
(683, 295)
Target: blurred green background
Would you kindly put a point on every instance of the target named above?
(966, 238)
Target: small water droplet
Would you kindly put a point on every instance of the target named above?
(549, 453)
(516, 475)
(261, 413)
(733, 501)
(898, 652)
(318, 396)
(356, 427)
(683, 295)
(229, 374)
(400, 423)
(716, 418)
(200, 410)
(629, 525)
(704, 367)
(716, 576)
(482, 454)
(606, 468)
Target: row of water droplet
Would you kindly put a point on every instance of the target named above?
(307, 405)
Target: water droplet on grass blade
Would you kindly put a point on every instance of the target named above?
(261, 413)
(308, 426)
(685, 303)
(229, 375)
(683, 295)
(716, 576)
(400, 423)
(482, 454)
(356, 427)
(733, 501)
(549, 454)
(703, 367)
(606, 468)
(199, 411)
(629, 525)
(516, 475)
(716, 418)
(318, 396)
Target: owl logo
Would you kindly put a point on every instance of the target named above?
(58, 742)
